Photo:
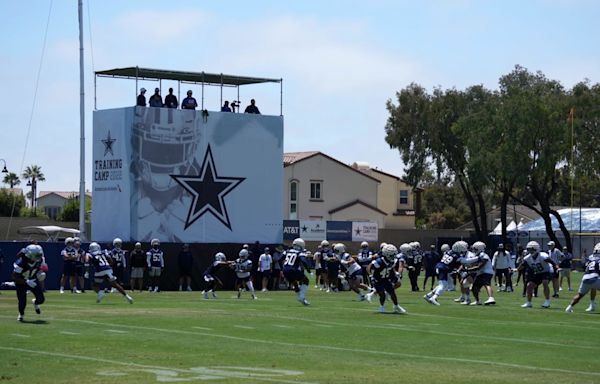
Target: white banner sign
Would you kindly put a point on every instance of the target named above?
(313, 230)
(364, 231)
(187, 177)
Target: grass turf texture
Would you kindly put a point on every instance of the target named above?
(179, 337)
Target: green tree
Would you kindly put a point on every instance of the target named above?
(11, 179)
(33, 173)
(70, 211)
(10, 203)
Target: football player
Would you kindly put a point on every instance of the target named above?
(210, 275)
(293, 269)
(103, 272)
(364, 258)
(382, 272)
(415, 263)
(156, 262)
(243, 271)
(484, 273)
(69, 259)
(320, 270)
(79, 263)
(450, 262)
(332, 263)
(353, 271)
(27, 276)
(590, 280)
(539, 265)
(119, 257)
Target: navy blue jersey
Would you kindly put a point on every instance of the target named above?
(154, 258)
(382, 269)
(214, 268)
(118, 256)
(417, 258)
(100, 261)
(69, 255)
(450, 260)
(80, 256)
(295, 260)
(364, 257)
(26, 268)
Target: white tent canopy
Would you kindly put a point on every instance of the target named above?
(576, 220)
(50, 232)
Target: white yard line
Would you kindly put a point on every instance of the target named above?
(217, 372)
(20, 335)
(344, 349)
(116, 330)
(203, 328)
(69, 333)
(243, 327)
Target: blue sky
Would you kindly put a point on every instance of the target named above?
(340, 62)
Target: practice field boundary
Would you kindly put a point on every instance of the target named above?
(301, 345)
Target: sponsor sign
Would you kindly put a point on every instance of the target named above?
(364, 231)
(313, 230)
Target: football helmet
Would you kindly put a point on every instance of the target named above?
(94, 248)
(415, 245)
(382, 245)
(243, 254)
(138, 245)
(117, 243)
(364, 244)
(69, 241)
(339, 248)
(445, 248)
(155, 243)
(597, 248)
(163, 146)
(389, 251)
(533, 247)
(461, 247)
(324, 243)
(479, 246)
(220, 256)
(551, 243)
(299, 244)
(34, 252)
(405, 248)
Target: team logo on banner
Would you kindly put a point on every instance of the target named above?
(108, 143)
(208, 191)
(364, 231)
(312, 229)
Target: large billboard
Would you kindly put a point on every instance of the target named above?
(187, 176)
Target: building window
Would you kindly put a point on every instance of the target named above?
(404, 197)
(52, 212)
(316, 189)
(293, 200)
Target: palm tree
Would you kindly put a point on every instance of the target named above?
(33, 173)
(12, 179)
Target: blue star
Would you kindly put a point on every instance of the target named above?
(208, 191)
(108, 142)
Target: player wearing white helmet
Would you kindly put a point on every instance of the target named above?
(243, 271)
(156, 262)
(28, 272)
(364, 258)
(321, 276)
(79, 263)
(589, 282)
(119, 259)
(332, 262)
(69, 257)
(538, 269)
(484, 274)
(353, 271)
(293, 269)
(382, 271)
(210, 277)
(449, 262)
(103, 272)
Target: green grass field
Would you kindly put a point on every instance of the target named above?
(178, 337)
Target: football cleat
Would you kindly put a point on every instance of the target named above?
(369, 297)
(459, 299)
(20, 318)
(490, 301)
(100, 296)
(569, 309)
(205, 295)
(399, 309)
(466, 302)
(304, 301)
(526, 305)
(591, 308)
(361, 298)
(546, 304)
(433, 301)
(36, 307)
(475, 303)
(129, 299)
(62, 290)
(381, 309)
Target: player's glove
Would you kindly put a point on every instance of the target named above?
(41, 276)
(31, 282)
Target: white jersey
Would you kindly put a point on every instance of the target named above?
(487, 266)
(317, 257)
(468, 259)
(556, 255)
(350, 264)
(539, 263)
(243, 268)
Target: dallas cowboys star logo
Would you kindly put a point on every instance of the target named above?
(208, 191)
(108, 142)
(357, 231)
